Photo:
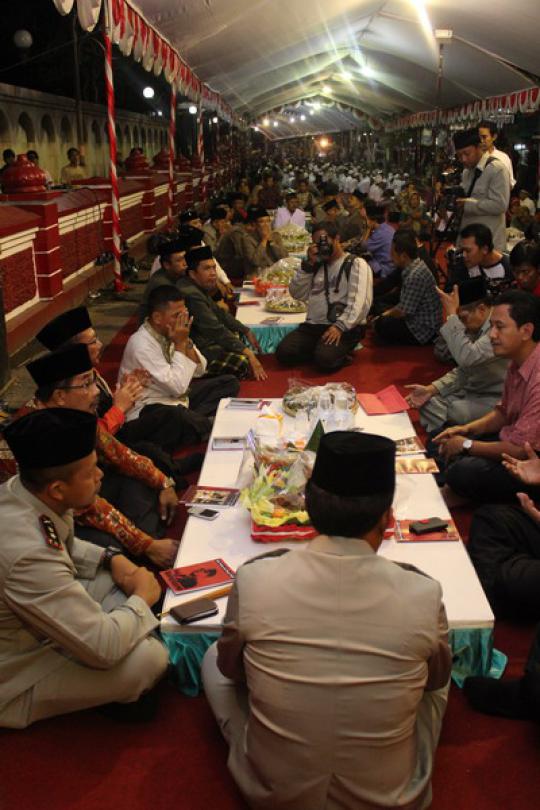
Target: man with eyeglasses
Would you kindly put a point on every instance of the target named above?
(157, 431)
(137, 500)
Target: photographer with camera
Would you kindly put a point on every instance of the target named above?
(486, 187)
(338, 290)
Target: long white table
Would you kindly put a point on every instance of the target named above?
(417, 496)
(252, 313)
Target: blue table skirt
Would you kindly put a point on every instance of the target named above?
(472, 650)
(271, 336)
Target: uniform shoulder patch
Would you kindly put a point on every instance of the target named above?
(277, 552)
(49, 532)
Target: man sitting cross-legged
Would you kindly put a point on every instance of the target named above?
(162, 346)
(416, 318)
(155, 432)
(345, 711)
(476, 448)
(216, 332)
(504, 545)
(132, 483)
(475, 386)
(76, 621)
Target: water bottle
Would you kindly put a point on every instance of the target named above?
(342, 413)
(325, 408)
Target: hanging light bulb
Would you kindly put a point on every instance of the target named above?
(148, 92)
(266, 122)
(192, 109)
(302, 118)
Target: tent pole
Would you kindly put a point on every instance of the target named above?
(200, 152)
(172, 144)
(119, 285)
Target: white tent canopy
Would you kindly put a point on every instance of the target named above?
(378, 58)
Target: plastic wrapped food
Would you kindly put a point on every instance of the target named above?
(294, 237)
(303, 395)
(280, 300)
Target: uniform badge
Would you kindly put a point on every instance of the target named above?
(50, 533)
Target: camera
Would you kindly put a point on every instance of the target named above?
(450, 195)
(457, 269)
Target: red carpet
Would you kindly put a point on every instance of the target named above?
(86, 762)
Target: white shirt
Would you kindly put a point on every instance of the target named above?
(375, 193)
(505, 159)
(495, 271)
(364, 184)
(528, 203)
(284, 217)
(169, 382)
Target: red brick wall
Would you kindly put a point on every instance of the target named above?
(131, 221)
(18, 279)
(80, 247)
(162, 204)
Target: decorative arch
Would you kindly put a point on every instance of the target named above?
(66, 131)
(5, 128)
(47, 129)
(96, 132)
(26, 128)
(135, 141)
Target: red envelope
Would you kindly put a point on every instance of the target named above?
(388, 400)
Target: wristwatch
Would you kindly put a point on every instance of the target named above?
(466, 446)
(108, 554)
(169, 482)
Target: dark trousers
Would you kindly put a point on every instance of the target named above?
(484, 481)
(168, 426)
(304, 345)
(504, 545)
(394, 330)
(205, 393)
(136, 500)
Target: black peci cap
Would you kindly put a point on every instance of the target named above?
(51, 437)
(355, 464)
(60, 365)
(64, 327)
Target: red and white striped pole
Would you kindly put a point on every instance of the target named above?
(119, 285)
(200, 151)
(172, 150)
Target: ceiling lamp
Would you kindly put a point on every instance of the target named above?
(148, 92)
(215, 119)
(367, 72)
(292, 119)
(317, 105)
(326, 88)
(276, 124)
(323, 143)
(192, 109)
(302, 118)
(346, 74)
(312, 112)
(266, 122)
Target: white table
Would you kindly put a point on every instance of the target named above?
(417, 496)
(252, 315)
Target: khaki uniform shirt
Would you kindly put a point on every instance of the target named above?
(46, 615)
(337, 646)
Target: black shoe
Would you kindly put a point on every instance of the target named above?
(499, 698)
(140, 711)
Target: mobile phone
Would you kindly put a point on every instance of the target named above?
(203, 512)
(194, 611)
(228, 443)
(429, 525)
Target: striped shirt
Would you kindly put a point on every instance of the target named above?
(354, 292)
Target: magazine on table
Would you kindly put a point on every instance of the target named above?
(198, 576)
(405, 464)
(410, 445)
(210, 496)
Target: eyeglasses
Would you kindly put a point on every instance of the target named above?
(86, 384)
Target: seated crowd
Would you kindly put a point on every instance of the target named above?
(344, 711)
